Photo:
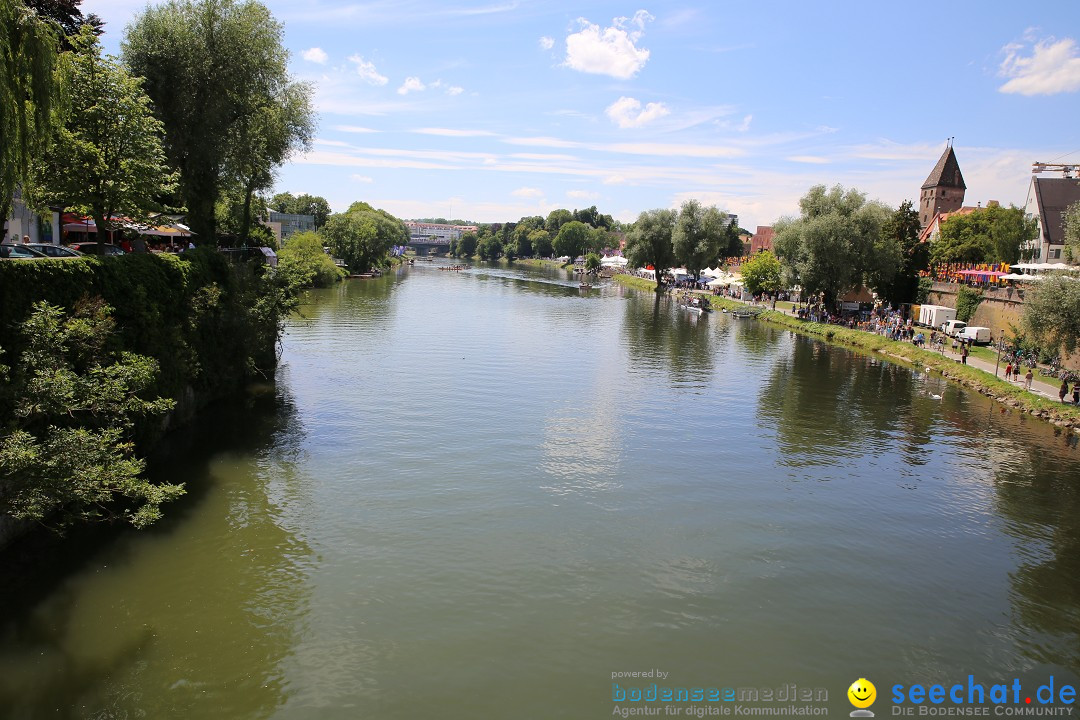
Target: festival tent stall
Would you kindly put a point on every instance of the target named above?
(613, 261)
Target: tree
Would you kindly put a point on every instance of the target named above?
(556, 219)
(762, 273)
(903, 229)
(304, 204)
(592, 263)
(649, 243)
(271, 130)
(466, 247)
(572, 240)
(540, 240)
(305, 252)
(27, 88)
(1071, 224)
(67, 15)
(992, 234)
(363, 235)
(67, 455)
(522, 246)
(106, 156)
(734, 243)
(697, 235)
(212, 68)
(836, 244)
(1052, 312)
(489, 248)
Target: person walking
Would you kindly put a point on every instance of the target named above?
(964, 354)
(1063, 391)
(1008, 372)
(1028, 378)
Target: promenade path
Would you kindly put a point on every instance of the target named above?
(1038, 387)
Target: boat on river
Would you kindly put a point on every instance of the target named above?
(696, 305)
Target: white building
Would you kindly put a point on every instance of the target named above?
(436, 232)
(1047, 200)
(24, 221)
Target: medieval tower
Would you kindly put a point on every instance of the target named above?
(943, 190)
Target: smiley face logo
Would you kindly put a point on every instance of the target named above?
(862, 693)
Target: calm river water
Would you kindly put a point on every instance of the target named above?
(481, 494)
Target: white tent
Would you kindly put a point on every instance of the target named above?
(614, 260)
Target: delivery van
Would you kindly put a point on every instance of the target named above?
(975, 334)
(952, 327)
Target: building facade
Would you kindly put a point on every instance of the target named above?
(285, 224)
(1047, 201)
(439, 233)
(762, 239)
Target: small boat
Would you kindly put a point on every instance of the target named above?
(584, 285)
(695, 305)
(743, 314)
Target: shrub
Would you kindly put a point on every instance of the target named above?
(303, 253)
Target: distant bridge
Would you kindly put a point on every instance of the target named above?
(430, 245)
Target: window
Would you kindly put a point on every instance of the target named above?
(1055, 254)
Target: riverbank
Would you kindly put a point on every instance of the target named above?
(1062, 415)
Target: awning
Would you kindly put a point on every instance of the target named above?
(981, 273)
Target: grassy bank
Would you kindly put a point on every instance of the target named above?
(966, 375)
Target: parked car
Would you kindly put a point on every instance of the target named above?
(19, 252)
(90, 248)
(55, 251)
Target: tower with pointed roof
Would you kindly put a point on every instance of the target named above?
(944, 188)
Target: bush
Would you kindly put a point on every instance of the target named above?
(967, 302)
(303, 253)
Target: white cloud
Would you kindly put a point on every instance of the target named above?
(451, 132)
(1053, 67)
(528, 192)
(547, 43)
(354, 129)
(315, 55)
(582, 195)
(810, 159)
(410, 84)
(612, 51)
(367, 71)
(361, 178)
(626, 112)
(454, 90)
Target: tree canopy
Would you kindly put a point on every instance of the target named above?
(993, 234)
(762, 273)
(1052, 312)
(574, 239)
(1071, 224)
(28, 47)
(105, 156)
(214, 69)
(697, 237)
(836, 244)
(362, 235)
(649, 243)
(902, 227)
(304, 204)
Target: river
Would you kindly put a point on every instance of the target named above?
(483, 494)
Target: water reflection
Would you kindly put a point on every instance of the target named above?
(142, 630)
(658, 336)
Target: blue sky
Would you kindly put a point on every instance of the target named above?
(496, 109)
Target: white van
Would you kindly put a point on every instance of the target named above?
(977, 335)
(953, 327)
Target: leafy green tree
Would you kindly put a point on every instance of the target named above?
(362, 236)
(466, 247)
(1071, 224)
(572, 240)
(592, 263)
(267, 134)
(836, 243)
(967, 302)
(67, 15)
(489, 247)
(903, 228)
(304, 250)
(540, 240)
(697, 236)
(28, 48)
(283, 202)
(762, 273)
(649, 243)
(106, 156)
(733, 244)
(67, 455)
(212, 67)
(522, 246)
(314, 205)
(1052, 312)
(992, 234)
(556, 219)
